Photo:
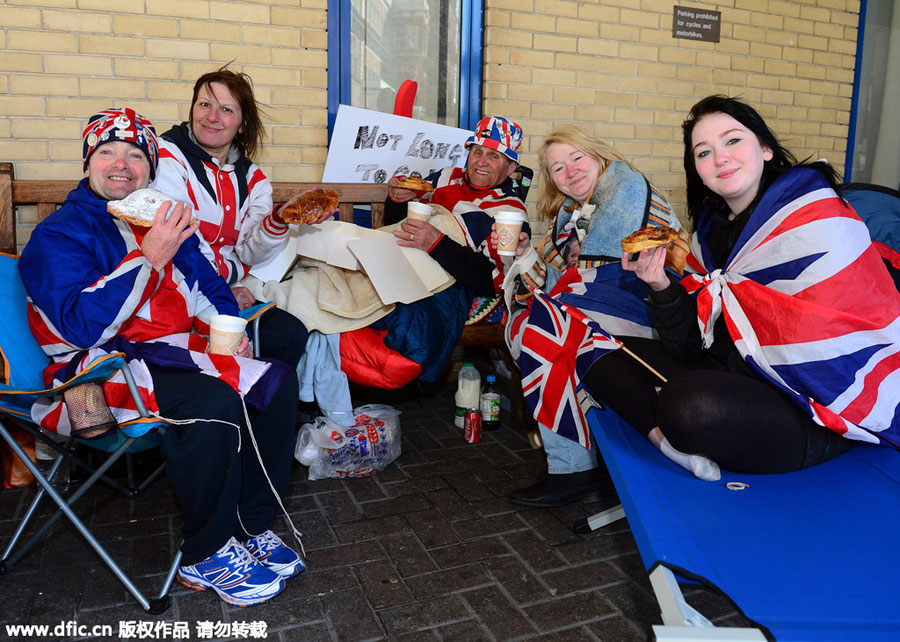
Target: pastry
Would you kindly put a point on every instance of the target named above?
(648, 237)
(415, 183)
(140, 207)
(310, 206)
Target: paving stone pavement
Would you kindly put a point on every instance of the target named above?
(429, 549)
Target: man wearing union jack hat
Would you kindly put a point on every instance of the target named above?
(473, 195)
(97, 285)
(415, 340)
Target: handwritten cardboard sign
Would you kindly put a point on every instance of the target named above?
(371, 147)
(696, 24)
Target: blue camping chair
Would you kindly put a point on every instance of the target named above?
(253, 314)
(21, 365)
(805, 556)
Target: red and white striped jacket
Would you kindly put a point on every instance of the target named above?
(232, 201)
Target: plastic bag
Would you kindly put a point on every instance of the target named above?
(361, 450)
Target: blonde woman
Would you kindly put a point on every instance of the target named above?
(594, 198)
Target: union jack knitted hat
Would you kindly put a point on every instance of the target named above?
(122, 124)
(497, 133)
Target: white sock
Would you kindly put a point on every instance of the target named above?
(702, 467)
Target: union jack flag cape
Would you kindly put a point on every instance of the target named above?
(810, 306)
(184, 352)
(92, 292)
(474, 210)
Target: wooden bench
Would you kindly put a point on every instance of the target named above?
(48, 195)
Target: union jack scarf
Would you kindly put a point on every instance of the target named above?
(809, 305)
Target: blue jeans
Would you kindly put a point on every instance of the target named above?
(565, 456)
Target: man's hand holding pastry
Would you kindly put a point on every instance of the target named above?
(405, 188)
(165, 236)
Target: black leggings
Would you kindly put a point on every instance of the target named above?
(740, 422)
(282, 336)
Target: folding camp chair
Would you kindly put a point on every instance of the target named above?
(21, 369)
(253, 314)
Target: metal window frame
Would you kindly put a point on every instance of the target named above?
(472, 14)
(854, 103)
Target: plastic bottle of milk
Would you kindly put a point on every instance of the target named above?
(468, 392)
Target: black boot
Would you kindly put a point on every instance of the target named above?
(558, 490)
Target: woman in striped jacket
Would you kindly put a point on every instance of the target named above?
(207, 162)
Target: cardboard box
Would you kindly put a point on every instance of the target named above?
(399, 274)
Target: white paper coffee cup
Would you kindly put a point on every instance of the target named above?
(225, 333)
(419, 211)
(508, 224)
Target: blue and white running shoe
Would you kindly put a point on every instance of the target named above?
(234, 574)
(275, 555)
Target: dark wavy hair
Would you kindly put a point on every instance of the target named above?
(250, 138)
(700, 199)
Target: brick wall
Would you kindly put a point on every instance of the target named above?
(613, 67)
(62, 60)
(610, 65)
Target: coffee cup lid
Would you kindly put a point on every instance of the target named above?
(419, 208)
(510, 216)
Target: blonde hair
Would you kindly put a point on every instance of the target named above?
(550, 199)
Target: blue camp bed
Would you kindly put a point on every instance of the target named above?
(809, 555)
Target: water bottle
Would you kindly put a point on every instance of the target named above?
(468, 392)
(45, 457)
(490, 405)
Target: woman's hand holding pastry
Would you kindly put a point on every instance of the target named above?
(324, 216)
(315, 205)
(162, 240)
(327, 216)
(649, 267)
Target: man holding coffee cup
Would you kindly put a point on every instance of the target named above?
(474, 195)
(98, 284)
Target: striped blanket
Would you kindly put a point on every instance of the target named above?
(810, 306)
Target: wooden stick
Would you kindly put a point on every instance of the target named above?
(645, 364)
